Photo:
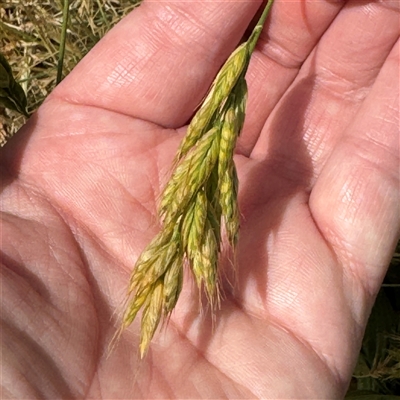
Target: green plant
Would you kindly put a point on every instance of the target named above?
(12, 95)
(199, 199)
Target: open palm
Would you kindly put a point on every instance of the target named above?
(317, 164)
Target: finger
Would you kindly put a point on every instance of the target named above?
(331, 86)
(353, 206)
(278, 57)
(159, 61)
(355, 200)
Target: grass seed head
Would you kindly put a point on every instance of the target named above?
(189, 176)
(222, 86)
(200, 195)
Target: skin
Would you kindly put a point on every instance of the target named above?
(319, 193)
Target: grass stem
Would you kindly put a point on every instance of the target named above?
(62, 41)
(259, 27)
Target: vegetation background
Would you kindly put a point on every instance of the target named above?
(30, 39)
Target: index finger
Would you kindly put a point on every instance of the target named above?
(159, 61)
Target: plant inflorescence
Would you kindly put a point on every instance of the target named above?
(198, 204)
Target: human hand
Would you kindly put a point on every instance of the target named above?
(317, 164)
